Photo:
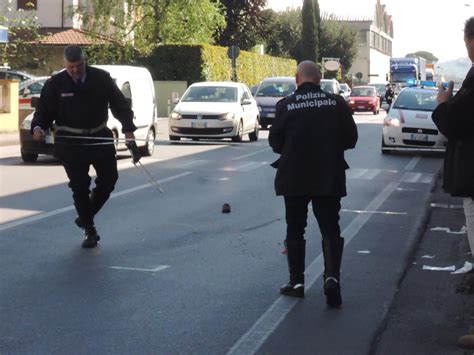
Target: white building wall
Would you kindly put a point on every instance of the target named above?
(53, 13)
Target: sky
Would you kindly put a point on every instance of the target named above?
(435, 26)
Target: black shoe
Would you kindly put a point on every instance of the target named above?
(91, 239)
(332, 290)
(293, 290)
(79, 222)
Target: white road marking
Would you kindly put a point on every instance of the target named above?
(191, 163)
(156, 269)
(375, 212)
(412, 163)
(71, 208)
(250, 154)
(417, 178)
(254, 338)
(245, 167)
(364, 174)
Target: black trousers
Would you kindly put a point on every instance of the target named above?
(88, 204)
(325, 209)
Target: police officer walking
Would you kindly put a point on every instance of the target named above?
(77, 100)
(311, 131)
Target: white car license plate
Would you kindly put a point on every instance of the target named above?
(271, 115)
(199, 124)
(49, 139)
(419, 137)
(360, 107)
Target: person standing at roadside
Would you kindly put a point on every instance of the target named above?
(311, 131)
(389, 94)
(454, 117)
(76, 101)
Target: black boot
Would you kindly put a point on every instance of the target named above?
(332, 251)
(91, 238)
(296, 250)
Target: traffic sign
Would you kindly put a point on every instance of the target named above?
(233, 52)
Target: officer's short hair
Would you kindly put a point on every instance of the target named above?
(73, 53)
(469, 28)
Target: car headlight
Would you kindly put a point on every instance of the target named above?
(390, 121)
(352, 102)
(176, 115)
(26, 124)
(226, 116)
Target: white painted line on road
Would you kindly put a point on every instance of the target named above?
(192, 163)
(156, 269)
(375, 212)
(245, 167)
(411, 165)
(250, 154)
(251, 341)
(417, 178)
(371, 174)
(356, 173)
(71, 208)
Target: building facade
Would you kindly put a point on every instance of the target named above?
(375, 35)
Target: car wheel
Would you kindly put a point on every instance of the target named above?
(174, 138)
(253, 136)
(29, 157)
(149, 147)
(240, 133)
(384, 151)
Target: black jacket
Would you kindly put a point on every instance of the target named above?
(455, 119)
(86, 107)
(311, 131)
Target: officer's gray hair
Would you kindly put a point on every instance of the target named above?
(469, 28)
(73, 53)
(309, 70)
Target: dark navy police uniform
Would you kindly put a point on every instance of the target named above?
(81, 109)
(311, 131)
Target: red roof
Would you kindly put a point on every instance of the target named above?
(65, 36)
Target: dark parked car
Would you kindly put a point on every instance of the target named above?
(269, 92)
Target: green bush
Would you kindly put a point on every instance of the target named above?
(194, 63)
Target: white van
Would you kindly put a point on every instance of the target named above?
(137, 85)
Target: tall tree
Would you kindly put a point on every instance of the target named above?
(144, 24)
(309, 35)
(339, 41)
(244, 23)
(317, 20)
(430, 57)
(282, 35)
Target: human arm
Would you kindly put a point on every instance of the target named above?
(349, 128)
(276, 138)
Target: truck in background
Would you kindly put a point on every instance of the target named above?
(406, 69)
(430, 72)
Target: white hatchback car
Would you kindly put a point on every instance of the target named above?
(408, 125)
(215, 110)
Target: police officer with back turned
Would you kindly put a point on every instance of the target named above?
(311, 131)
(77, 100)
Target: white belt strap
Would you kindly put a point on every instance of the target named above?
(81, 130)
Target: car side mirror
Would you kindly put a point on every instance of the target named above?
(34, 101)
(246, 102)
(26, 92)
(341, 91)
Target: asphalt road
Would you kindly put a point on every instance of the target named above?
(173, 274)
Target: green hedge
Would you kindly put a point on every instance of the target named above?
(194, 63)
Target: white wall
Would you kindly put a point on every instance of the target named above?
(49, 12)
(379, 64)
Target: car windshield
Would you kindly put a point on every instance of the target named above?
(363, 92)
(416, 100)
(327, 87)
(275, 89)
(211, 94)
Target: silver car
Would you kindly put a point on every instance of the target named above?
(408, 125)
